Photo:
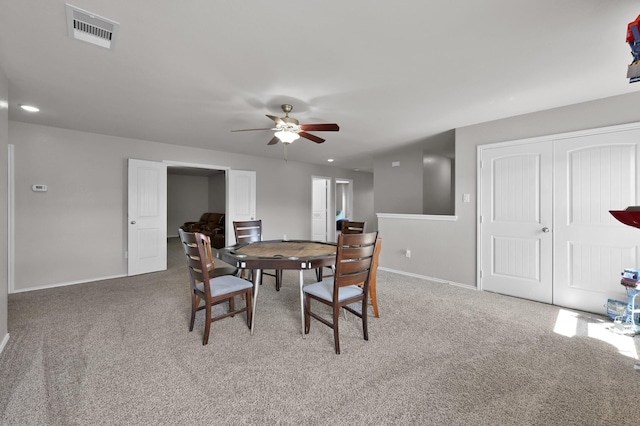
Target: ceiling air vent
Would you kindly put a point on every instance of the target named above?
(89, 27)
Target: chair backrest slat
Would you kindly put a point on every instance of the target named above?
(350, 227)
(355, 266)
(353, 279)
(248, 231)
(358, 252)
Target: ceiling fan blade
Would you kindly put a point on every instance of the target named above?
(311, 137)
(249, 130)
(274, 140)
(278, 120)
(329, 127)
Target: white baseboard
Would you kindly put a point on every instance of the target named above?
(22, 290)
(424, 277)
(4, 342)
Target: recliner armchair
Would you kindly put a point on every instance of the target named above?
(194, 226)
(215, 229)
(210, 224)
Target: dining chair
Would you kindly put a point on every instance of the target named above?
(249, 231)
(373, 295)
(354, 262)
(350, 227)
(346, 227)
(212, 290)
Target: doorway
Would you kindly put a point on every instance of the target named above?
(329, 204)
(192, 191)
(344, 200)
(152, 251)
(321, 217)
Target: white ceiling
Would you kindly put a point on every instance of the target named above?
(390, 73)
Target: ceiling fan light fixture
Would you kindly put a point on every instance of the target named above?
(286, 136)
(288, 129)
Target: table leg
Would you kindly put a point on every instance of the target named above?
(256, 285)
(302, 301)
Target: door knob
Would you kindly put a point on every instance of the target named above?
(545, 229)
(133, 222)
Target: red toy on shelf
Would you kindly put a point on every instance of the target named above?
(633, 38)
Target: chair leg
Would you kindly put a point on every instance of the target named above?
(336, 337)
(249, 307)
(207, 324)
(374, 300)
(194, 306)
(232, 305)
(307, 313)
(365, 331)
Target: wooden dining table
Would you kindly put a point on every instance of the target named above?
(297, 255)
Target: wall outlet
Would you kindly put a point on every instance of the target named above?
(407, 253)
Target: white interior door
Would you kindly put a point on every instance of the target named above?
(319, 206)
(594, 174)
(515, 223)
(147, 217)
(241, 201)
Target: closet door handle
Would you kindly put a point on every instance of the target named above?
(545, 229)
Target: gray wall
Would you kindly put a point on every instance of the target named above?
(437, 185)
(363, 201)
(80, 223)
(4, 141)
(447, 250)
(416, 185)
(217, 193)
(187, 199)
(398, 189)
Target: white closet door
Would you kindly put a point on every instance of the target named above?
(516, 215)
(594, 174)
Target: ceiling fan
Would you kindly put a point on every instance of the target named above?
(289, 129)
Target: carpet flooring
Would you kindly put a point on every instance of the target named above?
(119, 352)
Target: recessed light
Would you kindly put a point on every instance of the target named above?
(330, 160)
(29, 108)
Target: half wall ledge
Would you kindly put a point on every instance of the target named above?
(417, 216)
